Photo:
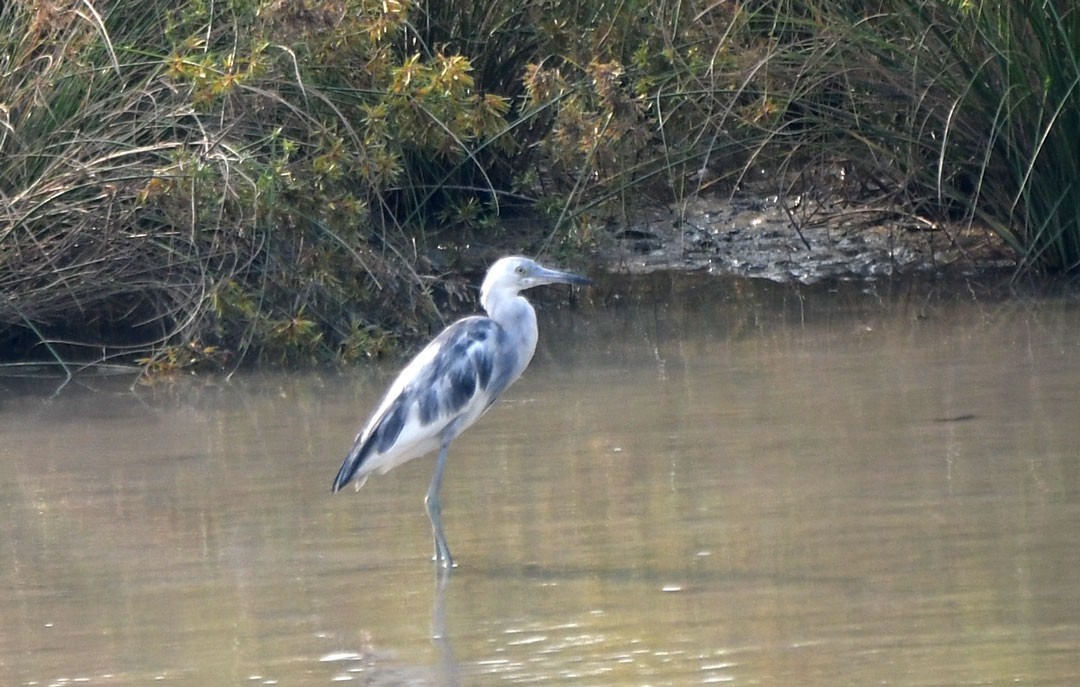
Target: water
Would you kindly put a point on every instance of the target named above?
(696, 482)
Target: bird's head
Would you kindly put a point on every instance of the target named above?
(510, 276)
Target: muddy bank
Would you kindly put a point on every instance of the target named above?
(796, 240)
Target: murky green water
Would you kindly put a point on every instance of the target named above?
(742, 484)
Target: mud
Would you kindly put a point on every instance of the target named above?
(797, 240)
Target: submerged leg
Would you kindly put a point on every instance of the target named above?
(434, 511)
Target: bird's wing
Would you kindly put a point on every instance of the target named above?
(455, 378)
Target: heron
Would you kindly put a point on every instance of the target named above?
(453, 381)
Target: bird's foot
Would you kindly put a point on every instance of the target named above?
(444, 561)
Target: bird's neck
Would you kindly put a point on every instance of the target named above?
(518, 319)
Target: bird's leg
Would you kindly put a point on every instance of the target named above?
(434, 511)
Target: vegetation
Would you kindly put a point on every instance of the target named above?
(203, 182)
(963, 109)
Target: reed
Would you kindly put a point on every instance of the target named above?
(954, 111)
(1006, 108)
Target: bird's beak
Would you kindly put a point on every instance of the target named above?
(543, 275)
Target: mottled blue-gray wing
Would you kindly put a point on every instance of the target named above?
(468, 370)
(458, 375)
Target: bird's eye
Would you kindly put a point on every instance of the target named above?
(520, 269)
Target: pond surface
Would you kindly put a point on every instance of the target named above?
(696, 482)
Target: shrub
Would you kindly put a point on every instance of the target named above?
(175, 182)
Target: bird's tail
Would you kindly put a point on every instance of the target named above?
(352, 463)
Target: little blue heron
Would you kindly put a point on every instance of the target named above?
(452, 382)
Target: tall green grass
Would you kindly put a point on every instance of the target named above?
(956, 110)
(1009, 150)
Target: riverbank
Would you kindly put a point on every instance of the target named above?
(264, 185)
(797, 240)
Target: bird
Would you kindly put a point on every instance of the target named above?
(453, 381)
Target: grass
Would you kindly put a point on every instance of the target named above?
(957, 110)
(200, 184)
(1015, 111)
